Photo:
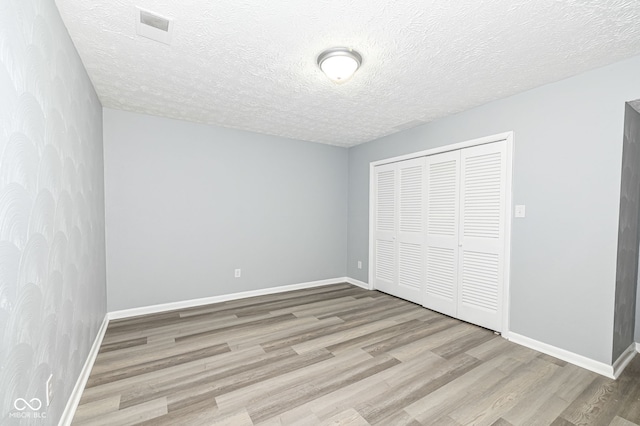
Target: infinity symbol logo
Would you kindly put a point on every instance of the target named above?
(21, 404)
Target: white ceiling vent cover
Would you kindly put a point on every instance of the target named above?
(154, 26)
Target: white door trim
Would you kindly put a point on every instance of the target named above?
(506, 136)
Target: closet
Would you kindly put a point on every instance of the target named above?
(399, 237)
(439, 230)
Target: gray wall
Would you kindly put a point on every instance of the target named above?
(627, 269)
(52, 260)
(186, 204)
(567, 168)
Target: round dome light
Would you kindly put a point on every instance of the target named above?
(339, 63)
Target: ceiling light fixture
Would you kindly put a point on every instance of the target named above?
(339, 63)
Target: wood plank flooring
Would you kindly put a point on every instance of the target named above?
(337, 355)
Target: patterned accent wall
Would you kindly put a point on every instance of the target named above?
(52, 251)
(627, 266)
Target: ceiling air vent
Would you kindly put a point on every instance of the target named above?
(154, 26)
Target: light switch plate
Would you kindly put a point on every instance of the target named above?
(520, 210)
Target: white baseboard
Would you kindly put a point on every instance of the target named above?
(358, 283)
(637, 347)
(579, 360)
(624, 359)
(76, 393)
(172, 306)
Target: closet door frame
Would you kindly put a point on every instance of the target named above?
(508, 137)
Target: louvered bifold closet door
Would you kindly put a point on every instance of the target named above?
(442, 210)
(482, 235)
(385, 217)
(410, 235)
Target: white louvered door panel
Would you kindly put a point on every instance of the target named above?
(482, 234)
(442, 210)
(410, 236)
(385, 217)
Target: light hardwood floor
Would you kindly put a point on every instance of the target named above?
(337, 355)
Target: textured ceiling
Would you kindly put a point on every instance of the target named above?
(252, 64)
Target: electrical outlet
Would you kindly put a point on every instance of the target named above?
(359, 264)
(49, 389)
(237, 273)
